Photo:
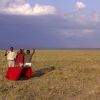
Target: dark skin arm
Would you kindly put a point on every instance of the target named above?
(33, 52)
(6, 53)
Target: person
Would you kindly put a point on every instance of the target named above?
(28, 58)
(11, 56)
(20, 58)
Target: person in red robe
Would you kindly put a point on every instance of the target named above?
(20, 58)
(20, 71)
(14, 73)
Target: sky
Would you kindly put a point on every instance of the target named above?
(49, 24)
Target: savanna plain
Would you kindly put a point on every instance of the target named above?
(57, 75)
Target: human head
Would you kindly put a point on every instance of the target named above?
(28, 51)
(11, 48)
(21, 50)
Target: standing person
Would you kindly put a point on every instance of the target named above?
(28, 58)
(11, 56)
(20, 58)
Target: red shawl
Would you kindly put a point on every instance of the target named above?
(19, 58)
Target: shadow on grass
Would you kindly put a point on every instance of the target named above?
(37, 73)
(42, 71)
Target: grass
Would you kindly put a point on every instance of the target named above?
(76, 76)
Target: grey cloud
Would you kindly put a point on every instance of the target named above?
(50, 31)
(4, 3)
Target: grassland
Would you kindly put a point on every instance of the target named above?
(76, 76)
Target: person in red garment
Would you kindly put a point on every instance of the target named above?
(27, 69)
(20, 58)
(14, 72)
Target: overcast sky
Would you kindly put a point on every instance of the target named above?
(49, 24)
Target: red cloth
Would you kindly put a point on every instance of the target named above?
(26, 72)
(19, 58)
(15, 73)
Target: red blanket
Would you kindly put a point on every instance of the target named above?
(16, 73)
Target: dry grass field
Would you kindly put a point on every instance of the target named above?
(61, 75)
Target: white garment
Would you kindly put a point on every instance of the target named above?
(11, 55)
(11, 63)
(28, 64)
